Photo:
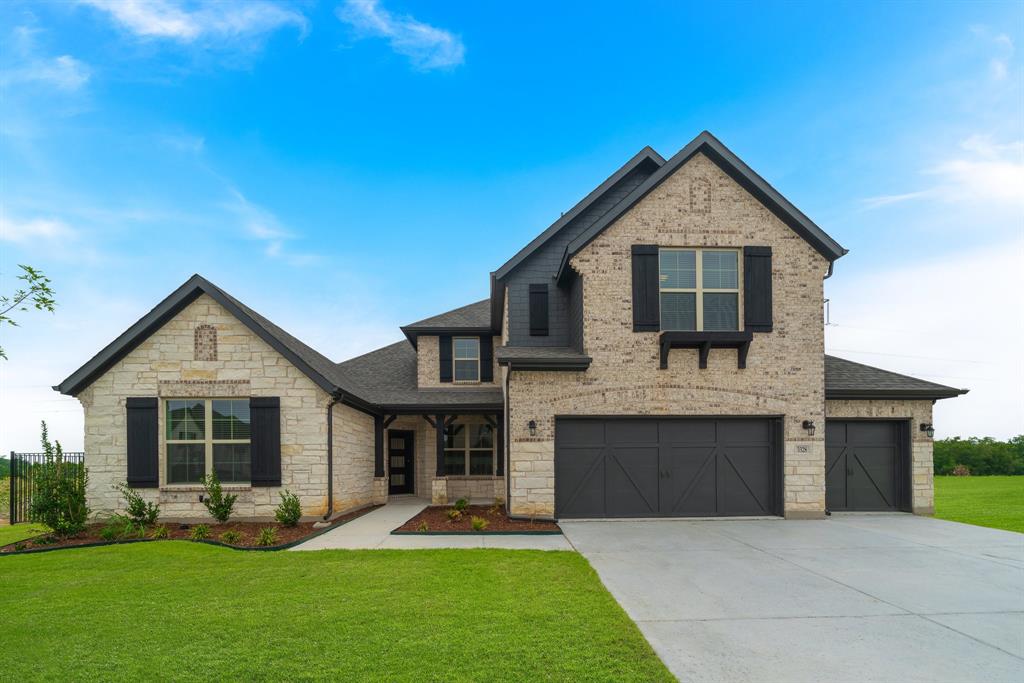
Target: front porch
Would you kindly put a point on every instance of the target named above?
(440, 457)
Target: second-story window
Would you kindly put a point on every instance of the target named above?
(466, 357)
(699, 289)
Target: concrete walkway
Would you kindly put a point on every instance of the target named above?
(851, 598)
(373, 530)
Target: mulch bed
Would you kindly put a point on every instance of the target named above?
(436, 518)
(183, 532)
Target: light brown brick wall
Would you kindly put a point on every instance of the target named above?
(163, 365)
(785, 368)
(428, 372)
(918, 412)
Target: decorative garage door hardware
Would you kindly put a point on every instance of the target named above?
(704, 342)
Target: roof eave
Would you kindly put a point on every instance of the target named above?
(893, 394)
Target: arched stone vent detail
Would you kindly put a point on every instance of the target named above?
(206, 342)
(700, 196)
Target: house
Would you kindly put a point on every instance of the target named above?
(657, 351)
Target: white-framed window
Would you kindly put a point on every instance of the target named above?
(207, 435)
(466, 359)
(469, 449)
(699, 289)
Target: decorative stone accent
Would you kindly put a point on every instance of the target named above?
(199, 388)
(700, 196)
(785, 373)
(205, 342)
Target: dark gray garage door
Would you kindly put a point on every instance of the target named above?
(866, 467)
(678, 467)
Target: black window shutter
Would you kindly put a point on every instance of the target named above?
(646, 313)
(265, 449)
(538, 310)
(143, 443)
(487, 359)
(445, 357)
(757, 289)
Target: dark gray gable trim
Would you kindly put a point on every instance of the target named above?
(546, 364)
(645, 155)
(159, 316)
(892, 394)
(738, 171)
(413, 333)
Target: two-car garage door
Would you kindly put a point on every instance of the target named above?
(667, 467)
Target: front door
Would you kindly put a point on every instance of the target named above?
(400, 458)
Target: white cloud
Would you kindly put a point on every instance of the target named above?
(35, 230)
(426, 46)
(935, 319)
(191, 21)
(983, 171)
(1001, 45)
(63, 72)
(262, 225)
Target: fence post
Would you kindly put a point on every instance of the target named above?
(10, 503)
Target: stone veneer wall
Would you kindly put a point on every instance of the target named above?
(918, 412)
(785, 368)
(353, 459)
(428, 374)
(164, 365)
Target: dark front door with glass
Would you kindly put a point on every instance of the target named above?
(400, 459)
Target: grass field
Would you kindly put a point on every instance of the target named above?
(996, 502)
(19, 532)
(178, 610)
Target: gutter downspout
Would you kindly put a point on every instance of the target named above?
(335, 398)
(507, 437)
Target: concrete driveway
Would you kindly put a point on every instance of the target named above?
(850, 598)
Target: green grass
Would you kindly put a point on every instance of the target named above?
(996, 502)
(177, 610)
(19, 532)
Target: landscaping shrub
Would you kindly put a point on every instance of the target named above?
(267, 537)
(231, 537)
(980, 456)
(216, 501)
(288, 511)
(59, 498)
(423, 526)
(199, 532)
(159, 532)
(461, 504)
(454, 515)
(478, 523)
(138, 510)
(122, 526)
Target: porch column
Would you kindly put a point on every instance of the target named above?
(439, 429)
(499, 435)
(378, 445)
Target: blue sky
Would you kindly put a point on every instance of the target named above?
(348, 166)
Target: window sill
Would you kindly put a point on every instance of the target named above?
(196, 488)
(472, 477)
(704, 342)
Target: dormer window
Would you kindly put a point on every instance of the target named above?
(699, 289)
(466, 359)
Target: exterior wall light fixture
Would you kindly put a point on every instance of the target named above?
(928, 429)
(533, 427)
(809, 426)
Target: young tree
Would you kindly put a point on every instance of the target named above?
(37, 294)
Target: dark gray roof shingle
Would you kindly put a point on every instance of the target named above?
(847, 379)
(476, 315)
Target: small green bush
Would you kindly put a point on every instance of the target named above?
(461, 504)
(423, 526)
(231, 537)
(454, 515)
(59, 497)
(288, 511)
(478, 523)
(160, 532)
(199, 532)
(138, 510)
(20, 545)
(44, 540)
(216, 501)
(120, 527)
(108, 533)
(267, 537)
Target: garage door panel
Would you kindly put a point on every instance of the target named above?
(864, 461)
(582, 470)
(835, 477)
(667, 467)
(631, 482)
(868, 433)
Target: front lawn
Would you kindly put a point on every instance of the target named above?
(19, 532)
(177, 610)
(996, 502)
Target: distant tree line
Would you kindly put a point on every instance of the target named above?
(980, 456)
(5, 467)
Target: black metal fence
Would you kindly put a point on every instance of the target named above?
(23, 470)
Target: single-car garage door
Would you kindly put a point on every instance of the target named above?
(671, 467)
(866, 465)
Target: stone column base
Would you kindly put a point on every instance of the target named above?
(380, 490)
(805, 514)
(925, 511)
(439, 492)
(499, 491)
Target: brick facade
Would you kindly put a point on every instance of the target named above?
(428, 373)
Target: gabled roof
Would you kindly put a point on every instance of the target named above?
(387, 378)
(846, 379)
(473, 319)
(732, 165)
(320, 369)
(644, 156)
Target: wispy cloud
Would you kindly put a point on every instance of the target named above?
(188, 22)
(982, 171)
(34, 230)
(262, 225)
(1002, 47)
(64, 72)
(426, 46)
